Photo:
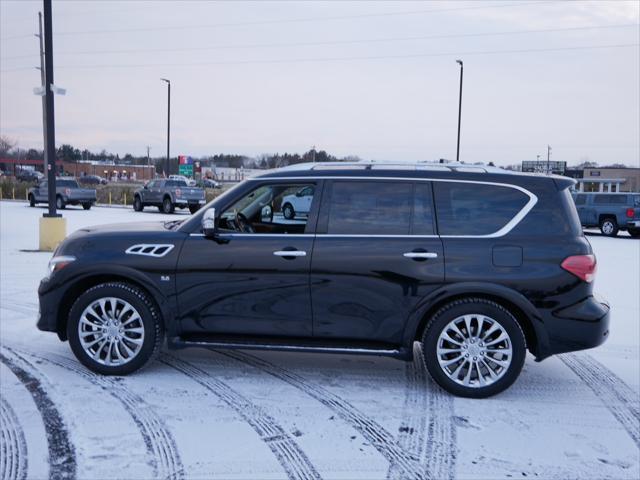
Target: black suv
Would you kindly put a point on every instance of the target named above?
(479, 265)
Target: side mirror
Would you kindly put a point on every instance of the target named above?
(209, 223)
(266, 214)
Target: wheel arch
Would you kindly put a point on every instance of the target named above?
(523, 311)
(83, 283)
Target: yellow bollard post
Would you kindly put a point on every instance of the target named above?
(125, 198)
(52, 232)
(13, 193)
(0, 194)
(109, 198)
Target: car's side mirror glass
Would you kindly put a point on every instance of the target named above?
(209, 223)
(266, 214)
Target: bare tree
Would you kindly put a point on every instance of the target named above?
(6, 144)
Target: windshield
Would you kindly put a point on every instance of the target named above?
(636, 200)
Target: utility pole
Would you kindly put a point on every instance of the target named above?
(168, 120)
(459, 62)
(44, 102)
(148, 161)
(50, 135)
(548, 158)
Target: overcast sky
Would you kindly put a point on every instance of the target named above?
(373, 79)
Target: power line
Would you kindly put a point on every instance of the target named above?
(301, 20)
(335, 42)
(336, 59)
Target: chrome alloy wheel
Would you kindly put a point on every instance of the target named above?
(607, 227)
(474, 350)
(111, 331)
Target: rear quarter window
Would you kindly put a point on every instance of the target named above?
(475, 209)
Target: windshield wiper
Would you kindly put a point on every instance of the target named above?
(172, 224)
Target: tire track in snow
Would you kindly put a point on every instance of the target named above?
(159, 442)
(13, 446)
(293, 460)
(407, 464)
(22, 308)
(616, 395)
(61, 452)
(427, 429)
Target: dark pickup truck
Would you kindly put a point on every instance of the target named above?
(68, 192)
(611, 212)
(167, 195)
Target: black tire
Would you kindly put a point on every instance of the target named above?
(194, 208)
(609, 226)
(137, 204)
(634, 232)
(149, 313)
(60, 205)
(473, 306)
(167, 205)
(288, 211)
(32, 200)
(86, 206)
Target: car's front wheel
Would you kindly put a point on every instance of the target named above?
(194, 208)
(474, 348)
(137, 204)
(32, 200)
(114, 328)
(60, 205)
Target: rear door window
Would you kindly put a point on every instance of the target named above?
(370, 208)
(581, 199)
(475, 209)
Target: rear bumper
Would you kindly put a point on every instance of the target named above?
(633, 224)
(582, 325)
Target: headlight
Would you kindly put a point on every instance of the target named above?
(59, 262)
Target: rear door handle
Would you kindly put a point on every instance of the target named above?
(420, 255)
(290, 253)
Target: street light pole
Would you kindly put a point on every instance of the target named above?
(459, 109)
(168, 120)
(49, 113)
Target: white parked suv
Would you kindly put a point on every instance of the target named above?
(298, 203)
(190, 182)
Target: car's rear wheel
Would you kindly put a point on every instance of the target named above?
(474, 348)
(114, 328)
(194, 208)
(86, 206)
(137, 204)
(60, 205)
(634, 232)
(167, 205)
(32, 200)
(288, 211)
(609, 227)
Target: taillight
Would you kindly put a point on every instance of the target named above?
(630, 213)
(178, 192)
(67, 191)
(582, 266)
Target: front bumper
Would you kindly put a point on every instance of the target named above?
(582, 325)
(49, 301)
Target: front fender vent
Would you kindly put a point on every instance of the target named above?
(149, 249)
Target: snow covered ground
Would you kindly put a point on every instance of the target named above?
(220, 414)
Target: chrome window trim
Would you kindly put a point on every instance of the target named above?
(510, 225)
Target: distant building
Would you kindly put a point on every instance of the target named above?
(542, 166)
(609, 179)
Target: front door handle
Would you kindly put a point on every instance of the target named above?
(420, 255)
(290, 253)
